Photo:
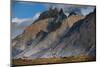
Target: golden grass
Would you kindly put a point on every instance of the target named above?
(80, 58)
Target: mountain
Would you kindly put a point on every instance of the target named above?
(51, 13)
(79, 39)
(18, 26)
(56, 35)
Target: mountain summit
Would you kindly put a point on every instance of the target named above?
(51, 13)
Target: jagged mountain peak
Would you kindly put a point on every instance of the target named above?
(61, 11)
(51, 13)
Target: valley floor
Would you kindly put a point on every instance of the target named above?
(80, 58)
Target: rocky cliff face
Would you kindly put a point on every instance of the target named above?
(55, 34)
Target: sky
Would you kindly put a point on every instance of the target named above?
(26, 10)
